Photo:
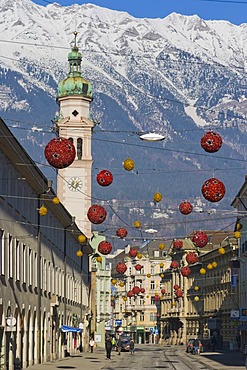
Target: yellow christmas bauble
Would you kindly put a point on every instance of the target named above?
(121, 284)
(203, 271)
(173, 304)
(161, 264)
(239, 226)
(99, 259)
(113, 281)
(196, 298)
(214, 264)
(147, 296)
(129, 164)
(137, 224)
(221, 250)
(161, 246)
(148, 275)
(43, 211)
(196, 288)
(162, 275)
(79, 253)
(81, 238)
(112, 298)
(139, 255)
(237, 234)
(55, 200)
(125, 299)
(209, 266)
(157, 197)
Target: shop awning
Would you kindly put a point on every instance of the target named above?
(70, 329)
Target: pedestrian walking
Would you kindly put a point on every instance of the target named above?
(91, 344)
(132, 346)
(108, 347)
(119, 346)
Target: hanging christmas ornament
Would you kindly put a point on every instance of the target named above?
(113, 281)
(237, 234)
(200, 239)
(196, 298)
(179, 293)
(148, 275)
(104, 247)
(213, 190)
(60, 152)
(79, 253)
(99, 259)
(121, 284)
(129, 164)
(139, 256)
(174, 265)
(104, 178)
(177, 244)
(162, 275)
(185, 271)
(55, 200)
(121, 267)
(191, 258)
(130, 294)
(173, 304)
(211, 142)
(163, 291)
(176, 287)
(221, 250)
(82, 238)
(138, 267)
(162, 264)
(202, 271)
(157, 197)
(209, 266)
(185, 208)
(196, 288)
(43, 211)
(96, 214)
(142, 290)
(133, 252)
(125, 299)
(161, 246)
(214, 264)
(121, 233)
(136, 290)
(239, 226)
(137, 224)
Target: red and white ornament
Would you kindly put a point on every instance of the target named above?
(179, 293)
(200, 239)
(177, 244)
(130, 294)
(136, 290)
(133, 252)
(142, 290)
(104, 178)
(211, 142)
(60, 152)
(138, 267)
(213, 190)
(191, 258)
(176, 287)
(121, 267)
(174, 265)
(121, 233)
(104, 247)
(185, 208)
(96, 214)
(163, 291)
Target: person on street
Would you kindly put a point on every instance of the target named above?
(91, 344)
(196, 346)
(132, 346)
(108, 347)
(119, 346)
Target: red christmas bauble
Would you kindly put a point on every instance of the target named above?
(185, 208)
(121, 232)
(136, 290)
(179, 293)
(104, 247)
(133, 252)
(211, 142)
(185, 271)
(121, 267)
(142, 290)
(156, 298)
(60, 152)
(138, 267)
(177, 244)
(174, 265)
(104, 178)
(163, 291)
(96, 214)
(191, 258)
(200, 239)
(130, 294)
(176, 287)
(213, 190)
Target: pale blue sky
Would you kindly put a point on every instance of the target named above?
(233, 10)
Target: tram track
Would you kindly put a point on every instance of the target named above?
(178, 362)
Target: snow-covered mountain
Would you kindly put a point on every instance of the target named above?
(177, 76)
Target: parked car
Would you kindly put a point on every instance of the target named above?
(125, 345)
(190, 346)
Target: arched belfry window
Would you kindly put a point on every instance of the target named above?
(79, 148)
(71, 139)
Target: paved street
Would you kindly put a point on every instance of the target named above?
(153, 357)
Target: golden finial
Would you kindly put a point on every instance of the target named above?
(75, 34)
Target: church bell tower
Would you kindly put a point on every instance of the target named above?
(74, 182)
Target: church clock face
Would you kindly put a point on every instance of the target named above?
(75, 183)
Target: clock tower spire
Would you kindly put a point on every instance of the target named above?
(74, 182)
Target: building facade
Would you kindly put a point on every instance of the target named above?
(43, 283)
